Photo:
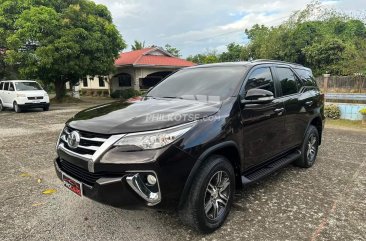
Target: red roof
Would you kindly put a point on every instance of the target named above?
(147, 56)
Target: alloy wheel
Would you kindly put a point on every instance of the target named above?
(312, 148)
(217, 195)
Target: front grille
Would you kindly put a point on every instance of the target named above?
(89, 142)
(81, 174)
(35, 98)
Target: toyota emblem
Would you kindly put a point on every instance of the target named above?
(73, 139)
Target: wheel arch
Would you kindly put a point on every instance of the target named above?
(228, 149)
(318, 123)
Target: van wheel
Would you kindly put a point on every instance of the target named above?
(211, 195)
(309, 149)
(17, 108)
(46, 108)
(1, 106)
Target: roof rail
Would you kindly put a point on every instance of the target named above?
(275, 61)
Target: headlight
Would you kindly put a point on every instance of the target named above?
(21, 95)
(153, 139)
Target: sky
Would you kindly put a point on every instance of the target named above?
(198, 26)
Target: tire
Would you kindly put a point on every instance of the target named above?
(309, 149)
(17, 109)
(205, 192)
(46, 108)
(1, 106)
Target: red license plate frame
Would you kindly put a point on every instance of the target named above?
(73, 185)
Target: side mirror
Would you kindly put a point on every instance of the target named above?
(258, 96)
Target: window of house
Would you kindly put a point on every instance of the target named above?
(101, 81)
(288, 80)
(124, 80)
(85, 82)
(260, 78)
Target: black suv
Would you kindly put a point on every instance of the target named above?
(194, 139)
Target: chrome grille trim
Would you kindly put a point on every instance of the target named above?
(84, 157)
(95, 139)
(96, 151)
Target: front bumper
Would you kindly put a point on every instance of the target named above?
(34, 105)
(112, 191)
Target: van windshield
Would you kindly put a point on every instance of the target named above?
(203, 84)
(24, 86)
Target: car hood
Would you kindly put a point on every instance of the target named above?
(33, 93)
(151, 114)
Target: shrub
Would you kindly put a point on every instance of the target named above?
(125, 94)
(99, 92)
(363, 111)
(332, 111)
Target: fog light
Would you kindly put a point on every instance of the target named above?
(151, 179)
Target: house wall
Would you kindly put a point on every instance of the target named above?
(136, 74)
(93, 84)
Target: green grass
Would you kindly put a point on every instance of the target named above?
(345, 123)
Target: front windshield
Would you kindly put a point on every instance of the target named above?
(202, 84)
(23, 86)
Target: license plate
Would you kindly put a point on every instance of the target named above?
(73, 185)
(36, 101)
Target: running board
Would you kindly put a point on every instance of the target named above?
(269, 168)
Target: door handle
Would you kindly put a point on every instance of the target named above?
(309, 103)
(279, 110)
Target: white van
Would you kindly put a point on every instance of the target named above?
(23, 94)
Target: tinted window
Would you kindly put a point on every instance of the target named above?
(260, 79)
(24, 86)
(1, 85)
(216, 83)
(6, 86)
(306, 77)
(288, 81)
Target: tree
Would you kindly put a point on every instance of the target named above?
(233, 53)
(207, 58)
(58, 41)
(138, 45)
(322, 39)
(173, 51)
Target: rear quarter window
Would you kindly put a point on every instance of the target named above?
(306, 77)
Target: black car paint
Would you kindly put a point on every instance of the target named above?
(147, 115)
(255, 133)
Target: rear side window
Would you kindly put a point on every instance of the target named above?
(6, 86)
(260, 78)
(1, 85)
(11, 87)
(289, 82)
(306, 77)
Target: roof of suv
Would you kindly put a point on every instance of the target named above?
(251, 63)
(18, 81)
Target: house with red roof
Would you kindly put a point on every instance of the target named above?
(139, 69)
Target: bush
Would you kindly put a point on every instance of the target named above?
(363, 111)
(99, 92)
(125, 94)
(332, 111)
